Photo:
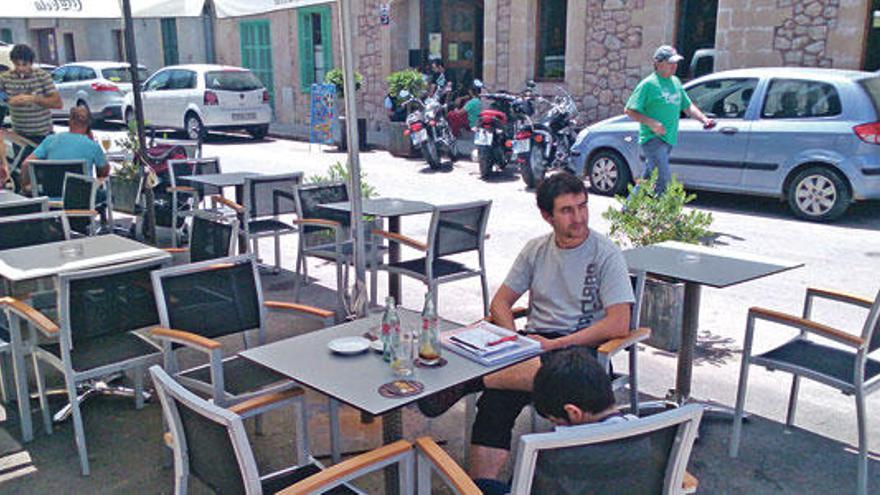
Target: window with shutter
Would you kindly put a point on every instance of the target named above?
(315, 40)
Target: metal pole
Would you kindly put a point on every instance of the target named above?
(354, 164)
(131, 54)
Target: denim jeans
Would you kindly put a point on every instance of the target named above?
(656, 153)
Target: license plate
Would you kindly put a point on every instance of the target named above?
(483, 138)
(419, 137)
(522, 145)
(244, 116)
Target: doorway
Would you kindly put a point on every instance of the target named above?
(47, 49)
(453, 31)
(697, 20)
(872, 47)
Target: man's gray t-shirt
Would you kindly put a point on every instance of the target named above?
(569, 289)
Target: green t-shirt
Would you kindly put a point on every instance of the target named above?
(662, 99)
(473, 108)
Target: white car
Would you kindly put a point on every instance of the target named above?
(99, 86)
(199, 98)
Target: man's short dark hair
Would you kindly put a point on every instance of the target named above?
(22, 53)
(80, 115)
(571, 376)
(557, 185)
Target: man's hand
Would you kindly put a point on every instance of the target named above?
(546, 344)
(4, 172)
(22, 99)
(657, 128)
(709, 123)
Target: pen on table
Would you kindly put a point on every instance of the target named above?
(502, 339)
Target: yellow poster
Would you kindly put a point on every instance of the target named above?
(435, 45)
(452, 50)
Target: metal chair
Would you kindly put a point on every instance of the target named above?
(99, 311)
(18, 148)
(455, 229)
(210, 443)
(35, 228)
(210, 236)
(47, 176)
(175, 197)
(645, 455)
(24, 206)
(204, 166)
(845, 366)
(78, 203)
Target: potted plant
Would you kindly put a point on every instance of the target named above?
(412, 82)
(335, 77)
(125, 179)
(646, 217)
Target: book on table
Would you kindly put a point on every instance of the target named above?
(489, 344)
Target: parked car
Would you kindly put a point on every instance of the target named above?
(99, 86)
(810, 137)
(199, 98)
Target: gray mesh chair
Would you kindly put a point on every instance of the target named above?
(845, 366)
(78, 203)
(99, 312)
(205, 166)
(175, 197)
(210, 443)
(454, 230)
(211, 236)
(24, 206)
(47, 176)
(35, 228)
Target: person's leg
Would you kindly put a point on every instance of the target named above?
(517, 377)
(661, 156)
(647, 152)
(492, 431)
(492, 487)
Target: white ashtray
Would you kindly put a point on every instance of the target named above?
(349, 345)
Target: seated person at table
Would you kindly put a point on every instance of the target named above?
(579, 295)
(572, 390)
(74, 145)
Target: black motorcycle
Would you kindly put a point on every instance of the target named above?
(428, 129)
(545, 144)
(497, 128)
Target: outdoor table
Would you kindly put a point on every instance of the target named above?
(10, 197)
(227, 179)
(355, 380)
(392, 209)
(697, 266)
(46, 260)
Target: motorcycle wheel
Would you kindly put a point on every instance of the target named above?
(432, 156)
(486, 160)
(532, 169)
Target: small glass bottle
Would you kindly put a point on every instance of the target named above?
(390, 326)
(429, 338)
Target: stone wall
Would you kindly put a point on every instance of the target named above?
(369, 62)
(802, 37)
(502, 45)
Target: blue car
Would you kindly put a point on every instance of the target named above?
(810, 137)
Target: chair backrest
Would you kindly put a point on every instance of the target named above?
(638, 284)
(871, 330)
(645, 455)
(47, 176)
(210, 442)
(211, 298)
(177, 169)
(310, 197)
(211, 237)
(105, 301)
(205, 166)
(458, 228)
(269, 195)
(36, 228)
(24, 206)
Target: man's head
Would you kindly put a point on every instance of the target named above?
(437, 65)
(562, 199)
(666, 60)
(571, 387)
(80, 120)
(22, 58)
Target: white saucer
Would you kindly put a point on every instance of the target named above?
(349, 345)
(377, 345)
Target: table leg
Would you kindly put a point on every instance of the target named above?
(690, 325)
(19, 373)
(393, 257)
(242, 239)
(392, 431)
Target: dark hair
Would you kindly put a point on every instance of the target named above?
(80, 115)
(571, 376)
(22, 53)
(555, 186)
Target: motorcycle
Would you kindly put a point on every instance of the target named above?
(428, 129)
(545, 144)
(497, 127)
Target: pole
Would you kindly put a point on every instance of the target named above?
(354, 164)
(131, 55)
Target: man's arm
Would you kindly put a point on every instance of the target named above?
(655, 125)
(501, 308)
(4, 166)
(51, 100)
(694, 111)
(613, 326)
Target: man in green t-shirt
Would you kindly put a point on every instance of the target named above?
(656, 104)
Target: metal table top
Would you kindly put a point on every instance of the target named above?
(10, 197)
(221, 180)
(385, 207)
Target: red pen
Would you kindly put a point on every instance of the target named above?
(502, 339)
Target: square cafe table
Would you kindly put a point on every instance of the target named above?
(227, 179)
(697, 266)
(10, 197)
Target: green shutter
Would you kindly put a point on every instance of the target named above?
(306, 53)
(327, 36)
(256, 52)
(169, 41)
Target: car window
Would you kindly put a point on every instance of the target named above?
(793, 99)
(86, 73)
(158, 82)
(872, 87)
(182, 79)
(58, 74)
(232, 80)
(723, 98)
(72, 74)
(122, 74)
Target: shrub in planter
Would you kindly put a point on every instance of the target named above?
(125, 179)
(409, 80)
(335, 77)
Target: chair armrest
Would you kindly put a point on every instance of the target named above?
(302, 308)
(37, 319)
(80, 213)
(690, 483)
(839, 297)
(462, 483)
(347, 467)
(182, 189)
(247, 406)
(613, 346)
(228, 203)
(806, 325)
(402, 239)
(56, 205)
(188, 339)
(175, 250)
(318, 222)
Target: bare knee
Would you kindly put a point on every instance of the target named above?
(486, 462)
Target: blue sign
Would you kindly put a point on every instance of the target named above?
(323, 113)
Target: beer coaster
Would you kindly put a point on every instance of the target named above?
(439, 364)
(401, 388)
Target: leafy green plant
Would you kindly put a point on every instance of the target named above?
(648, 218)
(334, 76)
(338, 172)
(409, 79)
(129, 168)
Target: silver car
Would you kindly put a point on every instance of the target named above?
(810, 137)
(100, 86)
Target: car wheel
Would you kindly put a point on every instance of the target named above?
(819, 194)
(258, 132)
(608, 173)
(485, 160)
(195, 130)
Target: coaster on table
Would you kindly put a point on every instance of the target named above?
(401, 388)
(439, 364)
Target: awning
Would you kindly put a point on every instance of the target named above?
(99, 9)
(236, 8)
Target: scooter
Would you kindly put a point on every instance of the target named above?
(545, 145)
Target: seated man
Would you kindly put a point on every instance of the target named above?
(579, 295)
(572, 390)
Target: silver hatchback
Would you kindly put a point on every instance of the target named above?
(808, 136)
(100, 86)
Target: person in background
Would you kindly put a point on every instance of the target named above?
(467, 111)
